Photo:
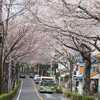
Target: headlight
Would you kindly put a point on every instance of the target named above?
(41, 88)
(53, 88)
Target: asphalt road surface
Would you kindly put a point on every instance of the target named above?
(29, 91)
(52, 97)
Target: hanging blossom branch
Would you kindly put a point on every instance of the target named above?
(63, 32)
(82, 8)
(13, 46)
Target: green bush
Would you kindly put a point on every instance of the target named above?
(74, 96)
(67, 94)
(10, 95)
(59, 89)
(88, 98)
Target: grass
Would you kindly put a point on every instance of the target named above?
(74, 96)
(11, 94)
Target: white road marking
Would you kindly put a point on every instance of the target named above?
(20, 91)
(41, 98)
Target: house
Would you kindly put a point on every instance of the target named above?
(78, 75)
(63, 72)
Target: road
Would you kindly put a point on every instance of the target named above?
(52, 97)
(29, 91)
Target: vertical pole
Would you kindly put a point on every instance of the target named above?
(51, 68)
(9, 75)
(59, 78)
(38, 69)
(70, 76)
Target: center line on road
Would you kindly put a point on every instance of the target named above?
(41, 98)
(20, 91)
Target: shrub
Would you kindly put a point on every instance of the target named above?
(80, 97)
(74, 96)
(88, 98)
(10, 95)
(59, 89)
(67, 94)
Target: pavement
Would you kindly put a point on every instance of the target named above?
(29, 91)
(26, 91)
(52, 97)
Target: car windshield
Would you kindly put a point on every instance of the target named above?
(47, 83)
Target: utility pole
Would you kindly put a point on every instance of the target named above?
(51, 68)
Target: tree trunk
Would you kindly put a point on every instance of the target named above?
(5, 78)
(17, 71)
(1, 78)
(87, 60)
(71, 69)
(1, 47)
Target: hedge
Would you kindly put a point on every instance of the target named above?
(74, 96)
(10, 95)
(59, 89)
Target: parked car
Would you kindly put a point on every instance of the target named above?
(22, 76)
(31, 75)
(48, 86)
(36, 76)
(37, 80)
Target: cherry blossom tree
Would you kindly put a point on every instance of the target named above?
(17, 35)
(75, 24)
